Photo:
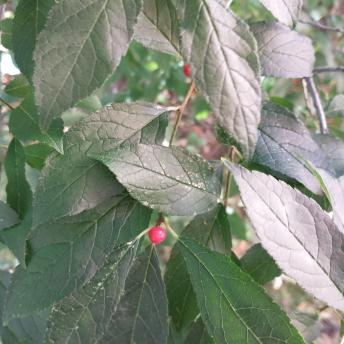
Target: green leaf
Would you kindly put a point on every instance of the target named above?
(36, 154)
(84, 316)
(24, 125)
(284, 53)
(67, 253)
(157, 26)
(260, 265)
(198, 334)
(19, 195)
(211, 229)
(287, 12)
(168, 179)
(223, 56)
(29, 20)
(234, 308)
(289, 224)
(283, 142)
(80, 46)
(18, 87)
(8, 216)
(141, 315)
(6, 26)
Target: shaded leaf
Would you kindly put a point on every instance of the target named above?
(84, 316)
(24, 125)
(211, 229)
(198, 334)
(234, 308)
(6, 26)
(18, 87)
(296, 232)
(168, 179)
(80, 46)
(283, 142)
(67, 253)
(284, 53)
(260, 265)
(29, 20)
(36, 154)
(157, 26)
(287, 12)
(224, 63)
(8, 217)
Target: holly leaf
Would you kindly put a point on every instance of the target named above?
(211, 229)
(157, 26)
(8, 217)
(284, 53)
(234, 308)
(29, 19)
(168, 179)
(259, 264)
(80, 46)
(224, 63)
(66, 254)
(289, 224)
(284, 144)
(287, 12)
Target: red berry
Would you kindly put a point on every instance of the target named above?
(157, 234)
(186, 70)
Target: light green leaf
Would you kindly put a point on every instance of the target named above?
(223, 56)
(80, 46)
(234, 308)
(168, 179)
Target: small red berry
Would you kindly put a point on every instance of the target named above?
(187, 71)
(157, 234)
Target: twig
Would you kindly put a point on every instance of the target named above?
(328, 69)
(7, 104)
(322, 26)
(317, 104)
(181, 110)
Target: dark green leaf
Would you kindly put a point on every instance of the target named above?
(6, 32)
(8, 216)
(260, 265)
(168, 179)
(283, 142)
(284, 53)
(67, 253)
(211, 229)
(234, 308)
(84, 316)
(19, 87)
(157, 26)
(223, 56)
(36, 154)
(24, 125)
(296, 232)
(80, 46)
(198, 334)
(29, 20)
(287, 12)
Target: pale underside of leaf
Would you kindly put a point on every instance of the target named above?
(81, 45)
(285, 11)
(296, 232)
(283, 53)
(224, 63)
(168, 179)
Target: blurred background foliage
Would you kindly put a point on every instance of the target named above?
(157, 77)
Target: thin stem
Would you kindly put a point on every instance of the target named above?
(181, 110)
(322, 27)
(317, 104)
(7, 104)
(328, 69)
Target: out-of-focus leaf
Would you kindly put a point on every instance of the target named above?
(168, 179)
(223, 56)
(260, 265)
(283, 142)
(19, 87)
(81, 45)
(287, 12)
(29, 20)
(296, 232)
(6, 26)
(283, 52)
(198, 334)
(308, 326)
(8, 217)
(234, 308)
(336, 106)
